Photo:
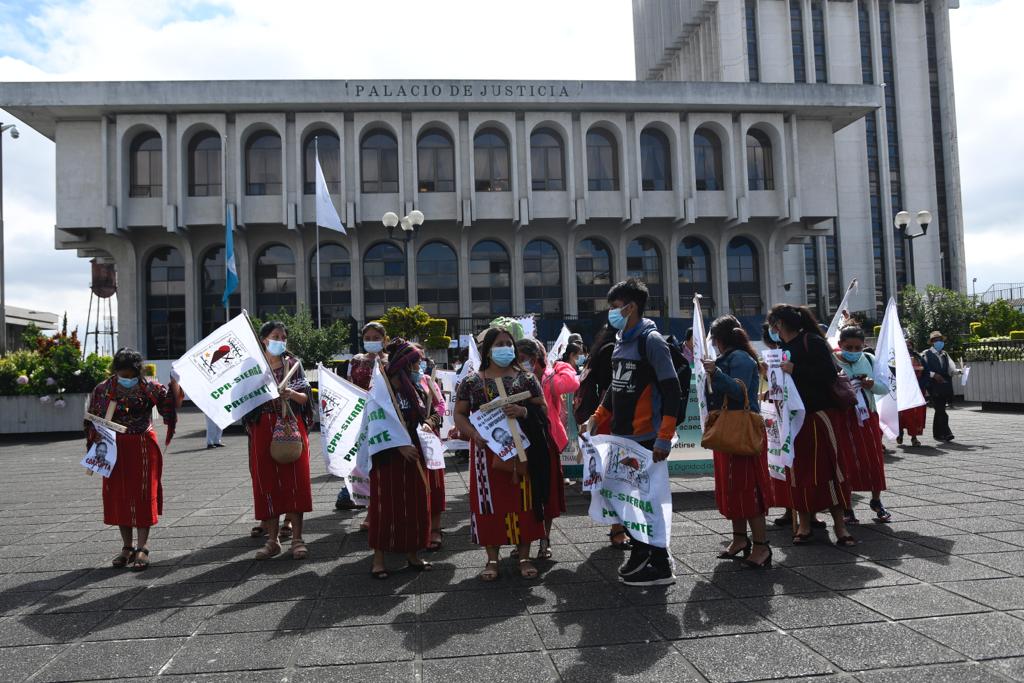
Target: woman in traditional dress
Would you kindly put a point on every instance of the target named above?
(863, 459)
(132, 494)
(815, 479)
(507, 498)
(742, 484)
(280, 489)
(912, 419)
(557, 381)
(439, 406)
(399, 510)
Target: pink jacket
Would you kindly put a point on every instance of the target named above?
(556, 383)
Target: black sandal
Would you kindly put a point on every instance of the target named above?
(434, 546)
(802, 539)
(744, 551)
(846, 541)
(139, 564)
(624, 545)
(257, 532)
(765, 564)
(544, 549)
(122, 560)
(380, 574)
(881, 514)
(421, 566)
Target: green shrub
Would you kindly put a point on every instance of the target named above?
(1016, 335)
(974, 328)
(309, 343)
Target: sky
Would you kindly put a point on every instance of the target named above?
(577, 39)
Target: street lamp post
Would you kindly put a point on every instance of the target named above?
(3, 305)
(902, 222)
(409, 225)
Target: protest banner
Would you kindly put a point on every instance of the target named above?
(446, 380)
(226, 374)
(893, 369)
(687, 456)
(633, 490)
(558, 348)
(382, 426)
(433, 449)
(701, 350)
(570, 454)
(590, 459)
(841, 316)
(496, 430)
(529, 326)
(472, 363)
(341, 419)
(102, 455)
(783, 413)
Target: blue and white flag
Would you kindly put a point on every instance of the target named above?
(230, 265)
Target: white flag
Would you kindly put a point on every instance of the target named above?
(783, 415)
(529, 326)
(558, 349)
(700, 352)
(381, 424)
(226, 374)
(472, 363)
(341, 419)
(326, 214)
(893, 370)
(842, 313)
(446, 380)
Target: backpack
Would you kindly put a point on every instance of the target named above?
(679, 362)
(589, 395)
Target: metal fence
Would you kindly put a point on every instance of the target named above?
(994, 351)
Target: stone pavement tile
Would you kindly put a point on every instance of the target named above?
(92, 600)
(201, 573)
(305, 586)
(751, 657)
(687, 588)
(588, 629)
(1012, 538)
(911, 602)
(812, 554)
(526, 667)
(776, 581)
(183, 595)
(43, 629)
(963, 545)
(243, 617)
(642, 663)
(22, 662)
(39, 581)
(979, 636)
(1000, 594)
(943, 673)
(805, 610)
(108, 660)
(703, 563)
(1010, 563)
(943, 569)
(850, 576)
(16, 603)
(230, 652)
(981, 525)
(913, 528)
(336, 585)
(1012, 667)
(892, 549)
(388, 672)
(221, 556)
(572, 597)
(875, 646)
(479, 637)
(150, 623)
(108, 577)
(363, 611)
(701, 619)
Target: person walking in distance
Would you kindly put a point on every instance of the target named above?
(940, 369)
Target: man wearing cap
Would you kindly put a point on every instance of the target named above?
(940, 369)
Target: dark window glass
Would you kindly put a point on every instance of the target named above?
(593, 276)
(835, 288)
(379, 162)
(893, 143)
(874, 191)
(643, 260)
(693, 260)
(707, 153)
(335, 284)
(275, 281)
(263, 164)
(602, 161)
(213, 314)
(796, 28)
(744, 278)
(655, 160)
(811, 275)
(384, 281)
(547, 161)
(818, 34)
(542, 278)
(436, 162)
(165, 304)
(491, 161)
(327, 144)
(938, 148)
(204, 179)
(750, 20)
(437, 281)
(146, 166)
(490, 273)
(760, 165)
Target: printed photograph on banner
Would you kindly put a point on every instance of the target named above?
(102, 455)
(446, 380)
(591, 463)
(494, 426)
(433, 449)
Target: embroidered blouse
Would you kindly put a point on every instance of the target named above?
(134, 406)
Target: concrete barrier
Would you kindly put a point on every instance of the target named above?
(995, 382)
(27, 415)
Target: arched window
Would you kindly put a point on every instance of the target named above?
(490, 161)
(707, 157)
(165, 304)
(275, 281)
(213, 313)
(760, 173)
(325, 143)
(437, 281)
(435, 155)
(204, 179)
(744, 278)
(594, 275)
(643, 260)
(145, 162)
(542, 278)
(694, 266)
(379, 162)
(263, 164)
(547, 161)
(383, 279)
(490, 273)
(335, 283)
(602, 161)
(655, 160)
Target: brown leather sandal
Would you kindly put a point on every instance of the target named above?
(490, 571)
(299, 550)
(127, 555)
(269, 550)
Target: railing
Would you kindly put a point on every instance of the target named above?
(1013, 292)
(994, 351)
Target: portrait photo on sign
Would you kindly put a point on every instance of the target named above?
(494, 426)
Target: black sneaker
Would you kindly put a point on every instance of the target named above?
(653, 573)
(638, 557)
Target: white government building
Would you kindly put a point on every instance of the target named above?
(746, 163)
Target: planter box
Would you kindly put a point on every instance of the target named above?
(996, 382)
(26, 415)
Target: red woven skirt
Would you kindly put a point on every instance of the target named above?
(277, 489)
(815, 479)
(860, 451)
(438, 501)
(399, 510)
(556, 498)
(742, 485)
(132, 494)
(912, 420)
(501, 510)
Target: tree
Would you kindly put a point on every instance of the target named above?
(310, 344)
(415, 324)
(935, 308)
(1000, 318)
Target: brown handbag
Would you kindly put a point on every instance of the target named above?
(737, 432)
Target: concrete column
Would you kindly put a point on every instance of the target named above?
(569, 292)
(357, 273)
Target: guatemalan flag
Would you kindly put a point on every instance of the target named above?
(230, 265)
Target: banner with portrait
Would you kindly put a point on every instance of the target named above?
(102, 455)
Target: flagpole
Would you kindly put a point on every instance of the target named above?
(319, 302)
(227, 299)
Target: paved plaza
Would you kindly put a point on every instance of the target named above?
(937, 595)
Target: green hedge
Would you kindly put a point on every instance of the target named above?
(1001, 350)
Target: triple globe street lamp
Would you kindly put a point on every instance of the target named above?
(902, 222)
(409, 224)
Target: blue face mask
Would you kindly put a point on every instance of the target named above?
(423, 367)
(938, 345)
(774, 336)
(616, 319)
(373, 346)
(276, 347)
(416, 376)
(503, 355)
(128, 382)
(852, 356)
